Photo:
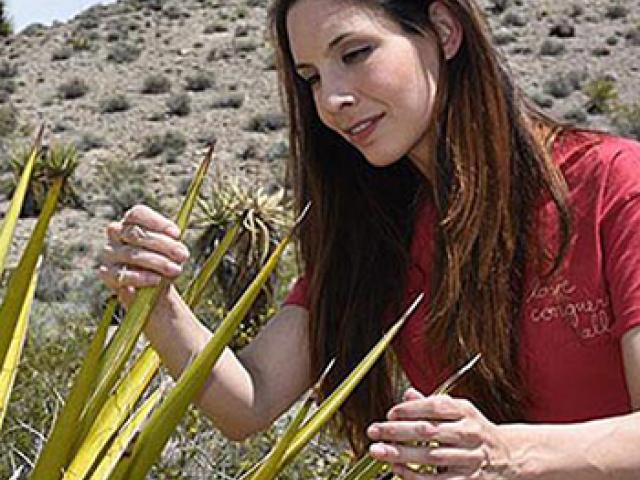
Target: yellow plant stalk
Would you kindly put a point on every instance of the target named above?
(196, 287)
(113, 415)
(149, 362)
(11, 217)
(268, 468)
(125, 338)
(20, 279)
(10, 367)
(329, 407)
(58, 449)
(120, 444)
(164, 420)
(367, 467)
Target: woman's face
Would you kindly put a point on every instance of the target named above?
(373, 83)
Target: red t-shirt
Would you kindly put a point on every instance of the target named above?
(571, 326)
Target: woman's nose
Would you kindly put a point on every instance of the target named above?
(336, 101)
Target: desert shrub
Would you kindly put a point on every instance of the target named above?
(8, 69)
(171, 143)
(123, 52)
(6, 28)
(7, 85)
(8, 120)
(117, 103)
(559, 86)
(266, 122)
(125, 183)
(62, 53)
(232, 100)
(514, 19)
(198, 82)
(632, 36)
(89, 141)
(80, 43)
(245, 45)
(552, 48)
(626, 119)
(216, 27)
(72, 89)
(600, 93)
(179, 104)
(155, 84)
(616, 11)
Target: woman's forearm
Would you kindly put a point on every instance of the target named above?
(228, 398)
(594, 450)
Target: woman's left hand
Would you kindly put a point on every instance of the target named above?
(441, 431)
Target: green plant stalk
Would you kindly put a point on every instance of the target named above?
(124, 438)
(10, 367)
(367, 467)
(268, 468)
(11, 217)
(125, 338)
(115, 412)
(19, 282)
(58, 449)
(340, 394)
(195, 289)
(164, 420)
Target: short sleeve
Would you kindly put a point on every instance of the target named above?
(620, 229)
(298, 295)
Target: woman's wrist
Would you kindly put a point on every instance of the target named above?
(525, 451)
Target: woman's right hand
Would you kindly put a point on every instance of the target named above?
(141, 248)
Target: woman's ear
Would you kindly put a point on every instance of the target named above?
(448, 28)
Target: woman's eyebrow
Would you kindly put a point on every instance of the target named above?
(332, 44)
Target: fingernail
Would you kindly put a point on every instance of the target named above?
(174, 269)
(377, 449)
(373, 431)
(174, 231)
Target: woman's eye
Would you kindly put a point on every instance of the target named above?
(311, 80)
(355, 55)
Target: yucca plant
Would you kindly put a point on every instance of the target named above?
(266, 216)
(51, 162)
(15, 307)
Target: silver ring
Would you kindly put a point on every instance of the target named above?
(132, 232)
(120, 275)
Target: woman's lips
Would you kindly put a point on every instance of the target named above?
(363, 130)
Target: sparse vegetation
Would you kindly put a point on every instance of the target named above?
(154, 84)
(266, 122)
(601, 93)
(626, 119)
(8, 120)
(179, 104)
(72, 89)
(122, 52)
(116, 103)
(199, 82)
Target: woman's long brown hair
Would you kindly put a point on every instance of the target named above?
(492, 168)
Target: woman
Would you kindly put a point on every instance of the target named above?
(428, 172)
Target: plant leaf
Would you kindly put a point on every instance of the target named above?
(124, 438)
(58, 449)
(164, 420)
(126, 336)
(12, 214)
(10, 367)
(20, 279)
(116, 410)
(340, 394)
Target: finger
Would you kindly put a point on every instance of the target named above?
(412, 394)
(116, 278)
(138, 259)
(403, 431)
(465, 433)
(436, 407)
(126, 295)
(119, 233)
(151, 220)
(423, 455)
